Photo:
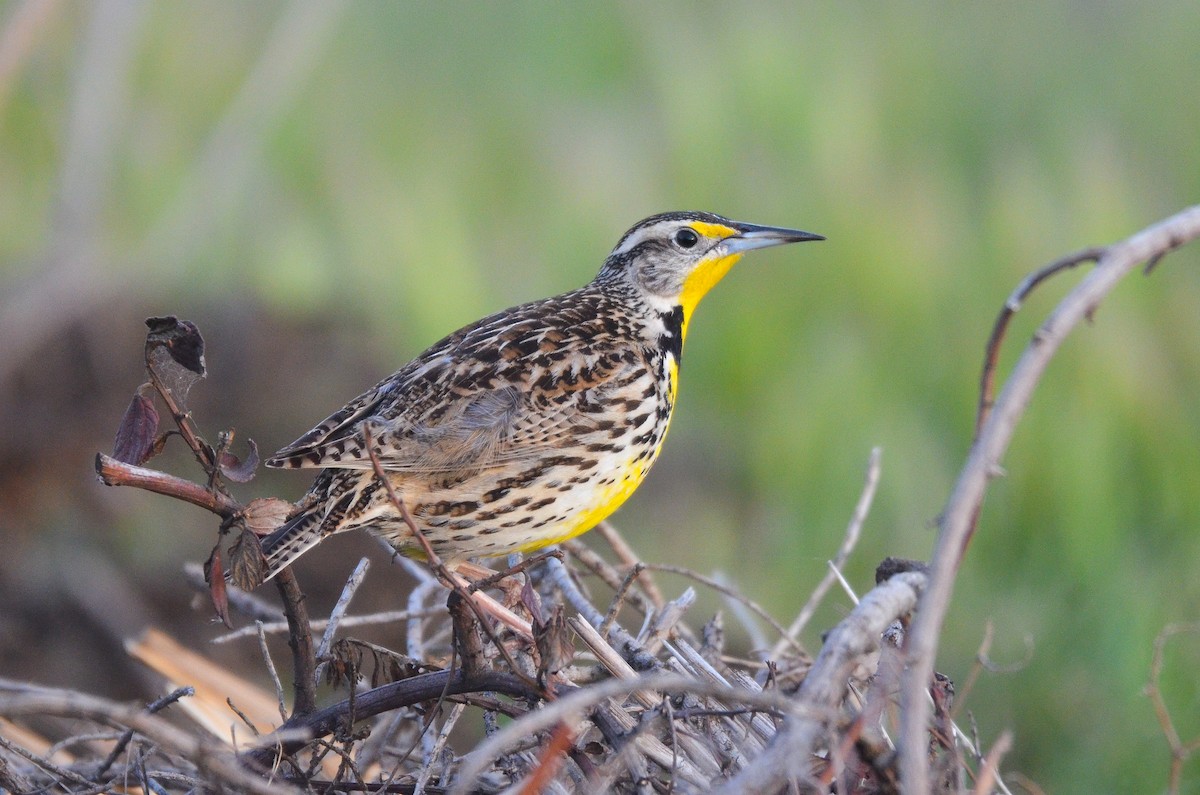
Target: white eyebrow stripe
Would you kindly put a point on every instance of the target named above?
(639, 235)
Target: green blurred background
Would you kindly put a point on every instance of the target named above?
(326, 189)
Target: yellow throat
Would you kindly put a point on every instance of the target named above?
(707, 273)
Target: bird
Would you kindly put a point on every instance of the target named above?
(530, 426)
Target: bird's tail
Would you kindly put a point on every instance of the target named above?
(291, 540)
(325, 512)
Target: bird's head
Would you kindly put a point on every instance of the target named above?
(675, 258)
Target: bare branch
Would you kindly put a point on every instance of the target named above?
(270, 663)
(304, 664)
(1180, 751)
(989, 773)
(115, 473)
(368, 619)
(300, 729)
(569, 707)
(627, 556)
(1115, 262)
(730, 593)
(443, 735)
(339, 610)
(626, 644)
(1000, 329)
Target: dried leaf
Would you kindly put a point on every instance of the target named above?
(391, 667)
(161, 442)
(554, 641)
(175, 358)
(387, 670)
(136, 436)
(214, 574)
(247, 566)
(554, 644)
(345, 662)
(348, 656)
(532, 603)
(265, 514)
(180, 338)
(240, 471)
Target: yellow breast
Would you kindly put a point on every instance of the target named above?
(628, 473)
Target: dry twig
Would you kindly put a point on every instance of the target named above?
(853, 639)
(849, 541)
(216, 763)
(1180, 750)
(958, 517)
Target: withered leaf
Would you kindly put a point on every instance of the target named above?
(347, 658)
(386, 670)
(174, 359)
(265, 514)
(532, 603)
(180, 338)
(247, 566)
(345, 661)
(554, 644)
(390, 667)
(214, 574)
(136, 435)
(236, 470)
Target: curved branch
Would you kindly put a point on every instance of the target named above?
(406, 692)
(987, 379)
(1115, 262)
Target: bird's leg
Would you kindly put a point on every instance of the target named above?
(489, 606)
(483, 577)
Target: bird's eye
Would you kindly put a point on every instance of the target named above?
(686, 238)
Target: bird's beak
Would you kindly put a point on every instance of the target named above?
(752, 236)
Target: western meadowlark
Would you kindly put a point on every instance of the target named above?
(530, 426)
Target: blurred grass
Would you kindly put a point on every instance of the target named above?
(442, 161)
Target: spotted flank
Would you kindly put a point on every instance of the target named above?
(531, 425)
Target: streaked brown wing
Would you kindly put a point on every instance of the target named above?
(483, 397)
